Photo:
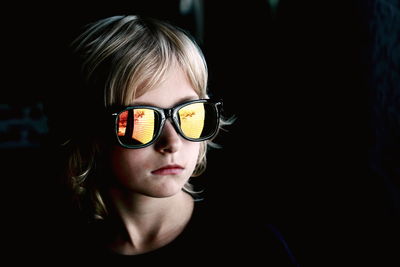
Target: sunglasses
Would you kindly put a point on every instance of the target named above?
(140, 126)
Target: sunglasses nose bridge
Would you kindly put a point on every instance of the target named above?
(168, 113)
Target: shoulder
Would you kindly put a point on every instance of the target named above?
(233, 237)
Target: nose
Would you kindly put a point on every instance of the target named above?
(169, 141)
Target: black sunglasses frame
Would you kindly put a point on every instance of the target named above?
(170, 113)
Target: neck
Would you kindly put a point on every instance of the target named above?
(145, 223)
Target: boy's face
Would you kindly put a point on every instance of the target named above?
(161, 169)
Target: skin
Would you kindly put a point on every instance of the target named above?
(151, 209)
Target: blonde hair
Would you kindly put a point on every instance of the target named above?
(123, 57)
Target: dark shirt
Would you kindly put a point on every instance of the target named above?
(209, 237)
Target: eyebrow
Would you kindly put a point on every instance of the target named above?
(180, 101)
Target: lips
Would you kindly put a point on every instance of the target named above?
(168, 170)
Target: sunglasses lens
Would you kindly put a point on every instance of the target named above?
(198, 120)
(137, 126)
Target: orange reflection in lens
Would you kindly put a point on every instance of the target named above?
(192, 120)
(122, 122)
(143, 129)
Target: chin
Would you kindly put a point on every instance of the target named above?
(164, 194)
(165, 190)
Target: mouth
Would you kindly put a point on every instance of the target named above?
(169, 170)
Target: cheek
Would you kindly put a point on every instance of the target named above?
(192, 154)
(128, 163)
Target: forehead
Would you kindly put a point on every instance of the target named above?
(173, 89)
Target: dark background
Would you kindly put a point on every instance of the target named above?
(315, 89)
